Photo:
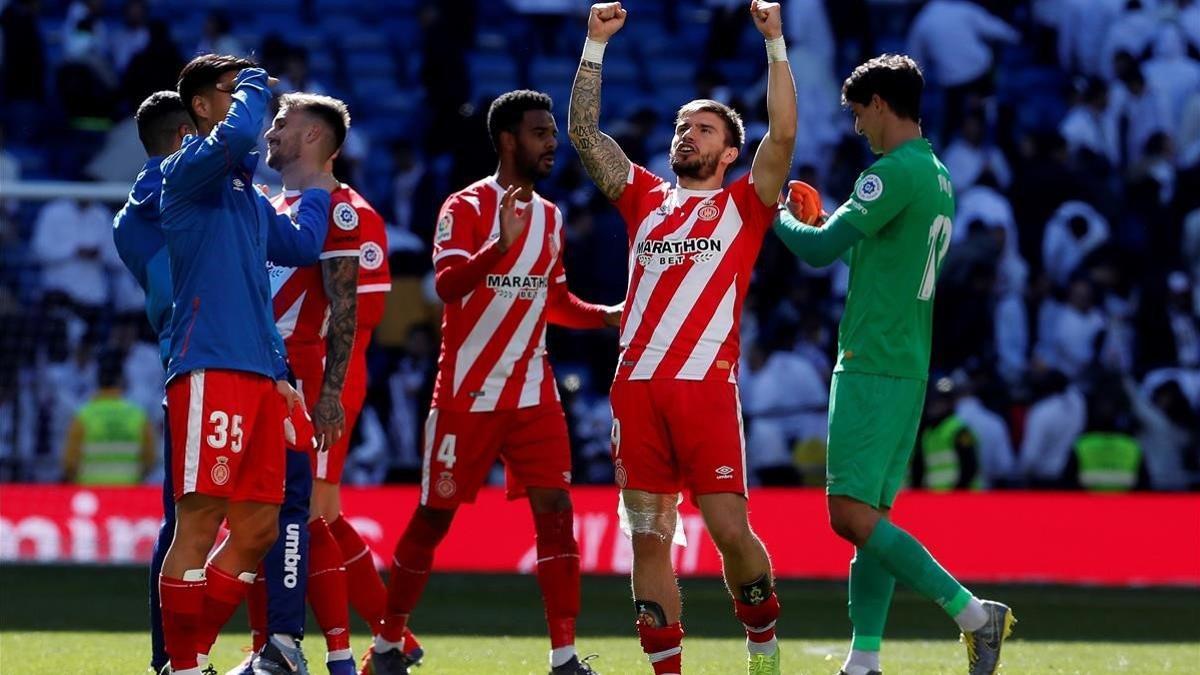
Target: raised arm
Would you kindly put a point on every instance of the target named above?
(298, 243)
(603, 159)
(773, 160)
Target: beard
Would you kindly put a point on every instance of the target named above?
(534, 168)
(699, 167)
(280, 157)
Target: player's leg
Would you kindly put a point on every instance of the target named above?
(166, 530)
(871, 589)
(327, 596)
(182, 581)
(652, 518)
(232, 570)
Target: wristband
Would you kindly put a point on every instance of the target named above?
(776, 50)
(593, 52)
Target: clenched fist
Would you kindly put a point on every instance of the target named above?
(767, 18)
(605, 19)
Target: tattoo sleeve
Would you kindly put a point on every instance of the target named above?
(603, 159)
(341, 285)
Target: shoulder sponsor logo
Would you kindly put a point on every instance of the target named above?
(344, 216)
(517, 286)
(724, 472)
(869, 188)
(370, 256)
(445, 228)
(655, 253)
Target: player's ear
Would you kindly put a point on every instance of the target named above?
(200, 106)
(730, 154)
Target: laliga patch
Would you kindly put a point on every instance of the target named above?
(344, 216)
(445, 486)
(220, 471)
(370, 256)
(869, 188)
(708, 211)
(445, 227)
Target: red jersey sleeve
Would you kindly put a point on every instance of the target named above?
(345, 234)
(640, 197)
(754, 213)
(457, 230)
(374, 275)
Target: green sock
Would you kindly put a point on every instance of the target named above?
(871, 587)
(909, 562)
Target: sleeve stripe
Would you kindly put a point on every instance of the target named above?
(449, 252)
(339, 254)
(561, 279)
(375, 288)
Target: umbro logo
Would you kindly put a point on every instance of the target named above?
(724, 472)
(239, 185)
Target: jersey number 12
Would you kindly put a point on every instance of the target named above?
(939, 243)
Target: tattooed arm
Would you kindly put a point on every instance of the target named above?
(341, 285)
(604, 160)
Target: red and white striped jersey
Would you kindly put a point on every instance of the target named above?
(691, 255)
(493, 354)
(374, 275)
(301, 306)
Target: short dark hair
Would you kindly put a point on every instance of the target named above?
(203, 73)
(895, 78)
(507, 111)
(735, 129)
(332, 112)
(158, 118)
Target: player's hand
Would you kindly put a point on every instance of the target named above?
(604, 20)
(804, 203)
(291, 397)
(329, 421)
(767, 18)
(612, 314)
(298, 430)
(512, 223)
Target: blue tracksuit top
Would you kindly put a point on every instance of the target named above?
(216, 228)
(142, 246)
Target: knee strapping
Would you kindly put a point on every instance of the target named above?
(650, 513)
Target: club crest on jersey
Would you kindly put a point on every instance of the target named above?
(620, 474)
(657, 253)
(869, 188)
(370, 256)
(445, 227)
(344, 216)
(220, 472)
(708, 211)
(521, 286)
(445, 485)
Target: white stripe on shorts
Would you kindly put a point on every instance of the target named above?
(191, 451)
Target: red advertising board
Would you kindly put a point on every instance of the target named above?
(1000, 536)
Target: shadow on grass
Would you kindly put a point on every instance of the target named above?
(70, 598)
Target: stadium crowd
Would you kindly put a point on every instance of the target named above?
(1068, 313)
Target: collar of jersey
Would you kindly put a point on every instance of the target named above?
(495, 185)
(683, 194)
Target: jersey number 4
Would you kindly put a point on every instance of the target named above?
(445, 453)
(939, 243)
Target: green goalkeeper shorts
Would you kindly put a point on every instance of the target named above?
(873, 422)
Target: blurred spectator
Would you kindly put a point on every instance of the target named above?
(85, 31)
(1132, 31)
(1189, 133)
(947, 455)
(73, 242)
(296, 76)
(153, 68)
(410, 189)
(24, 65)
(216, 38)
(963, 65)
(132, 35)
(110, 441)
(1168, 431)
(1138, 114)
(970, 154)
(1083, 25)
(1089, 128)
(809, 35)
(1169, 328)
(997, 461)
(1172, 75)
(1075, 230)
(1069, 331)
(1106, 457)
(1051, 427)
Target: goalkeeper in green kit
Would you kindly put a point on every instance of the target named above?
(894, 232)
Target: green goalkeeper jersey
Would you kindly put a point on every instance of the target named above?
(903, 205)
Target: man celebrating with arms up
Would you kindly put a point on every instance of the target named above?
(692, 251)
(894, 232)
(497, 255)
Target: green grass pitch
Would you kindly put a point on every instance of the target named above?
(75, 620)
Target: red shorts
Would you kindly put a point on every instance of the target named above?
(309, 368)
(227, 436)
(462, 447)
(674, 434)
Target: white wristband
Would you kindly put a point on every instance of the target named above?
(593, 51)
(776, 50)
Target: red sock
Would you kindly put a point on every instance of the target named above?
(182, 603)
(256, 606)
(558, 574)
(411, 566)
(759, 620)
(222, 596)
(410, 641)
(663, 646)
(367, 593)
(327, 586)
